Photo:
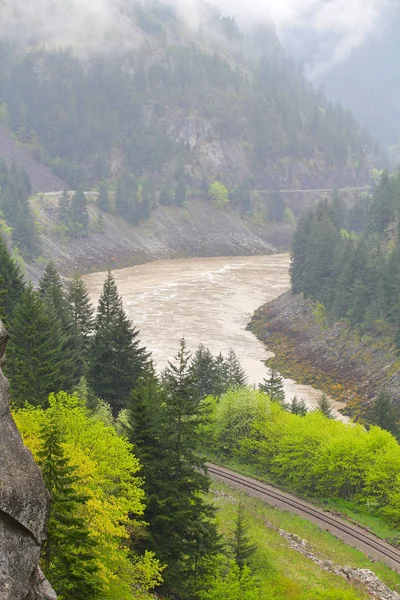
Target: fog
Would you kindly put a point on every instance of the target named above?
(323, 32)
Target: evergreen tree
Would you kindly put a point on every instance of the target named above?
(221, 386)
(52, 292)
(235, 374)
(384, 413)
(64, 208)
(15, 189)
(181, 529)
(81, 310)
(325, 406)
(299, 252)
(79, 214)
(11, 282)
(273, 386)
(36, 364)
(242, 546)
(298, 407)
(116, 359)
(103, 201)
(68, 556)
(145, 422)
(204, 371)
(166, 195)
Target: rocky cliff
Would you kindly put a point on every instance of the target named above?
(347, 365)
(24, 503)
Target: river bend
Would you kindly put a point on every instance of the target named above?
(205, 300)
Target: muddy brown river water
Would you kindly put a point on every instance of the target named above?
(205, 300)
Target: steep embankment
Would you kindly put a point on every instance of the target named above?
(171, 232)
(24, 503)
(42, 179)
(338, 360)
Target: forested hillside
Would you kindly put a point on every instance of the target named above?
(179, 111)
(349, 260)
(345, 263)
(121, 449)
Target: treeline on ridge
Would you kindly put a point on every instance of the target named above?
(112, 109)
(348, 260)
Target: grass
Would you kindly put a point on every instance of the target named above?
(293, 575)
(372, 522)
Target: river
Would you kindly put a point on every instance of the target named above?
(205, 300)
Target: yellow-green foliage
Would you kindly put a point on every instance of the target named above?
(219, 194)
(312, 454)
(233, 416)
(107, 471)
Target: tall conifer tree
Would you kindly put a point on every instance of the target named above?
(116, 357)
(181, 530)
(11, 282)
(273, 386)
(236, 376)
(52, 292)
(36, 363)
(81, 310)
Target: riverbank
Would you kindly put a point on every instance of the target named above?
(348, 366)
(197, 230)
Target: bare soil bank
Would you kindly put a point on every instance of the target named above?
(199, 230)
(349, 366)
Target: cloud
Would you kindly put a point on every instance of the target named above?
(323, 32)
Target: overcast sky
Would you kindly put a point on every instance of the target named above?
(325, 31)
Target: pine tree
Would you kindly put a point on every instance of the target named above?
(145, 421)
(242, 546)
(79, 214)
(204, 371)
(325, 406)
(299, 252)
(222, 375)
(36, 364)
(116, 359)
(11, 282)
(64, 208)
(52, 292)
(384, 413)
(103, 201)
(15, 189)
(298, 407)
(165, 429)
(166, 195)
(81, 310)
(235, 374)
(68, 556)
(273, 386)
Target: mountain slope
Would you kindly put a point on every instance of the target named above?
(180, 105)
(41, 177)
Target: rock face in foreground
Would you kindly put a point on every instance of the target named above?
(24, 504)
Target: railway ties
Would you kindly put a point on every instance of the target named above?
(353, 535)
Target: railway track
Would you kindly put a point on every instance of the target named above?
(353, 535)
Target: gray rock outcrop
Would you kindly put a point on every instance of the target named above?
(24, 505)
